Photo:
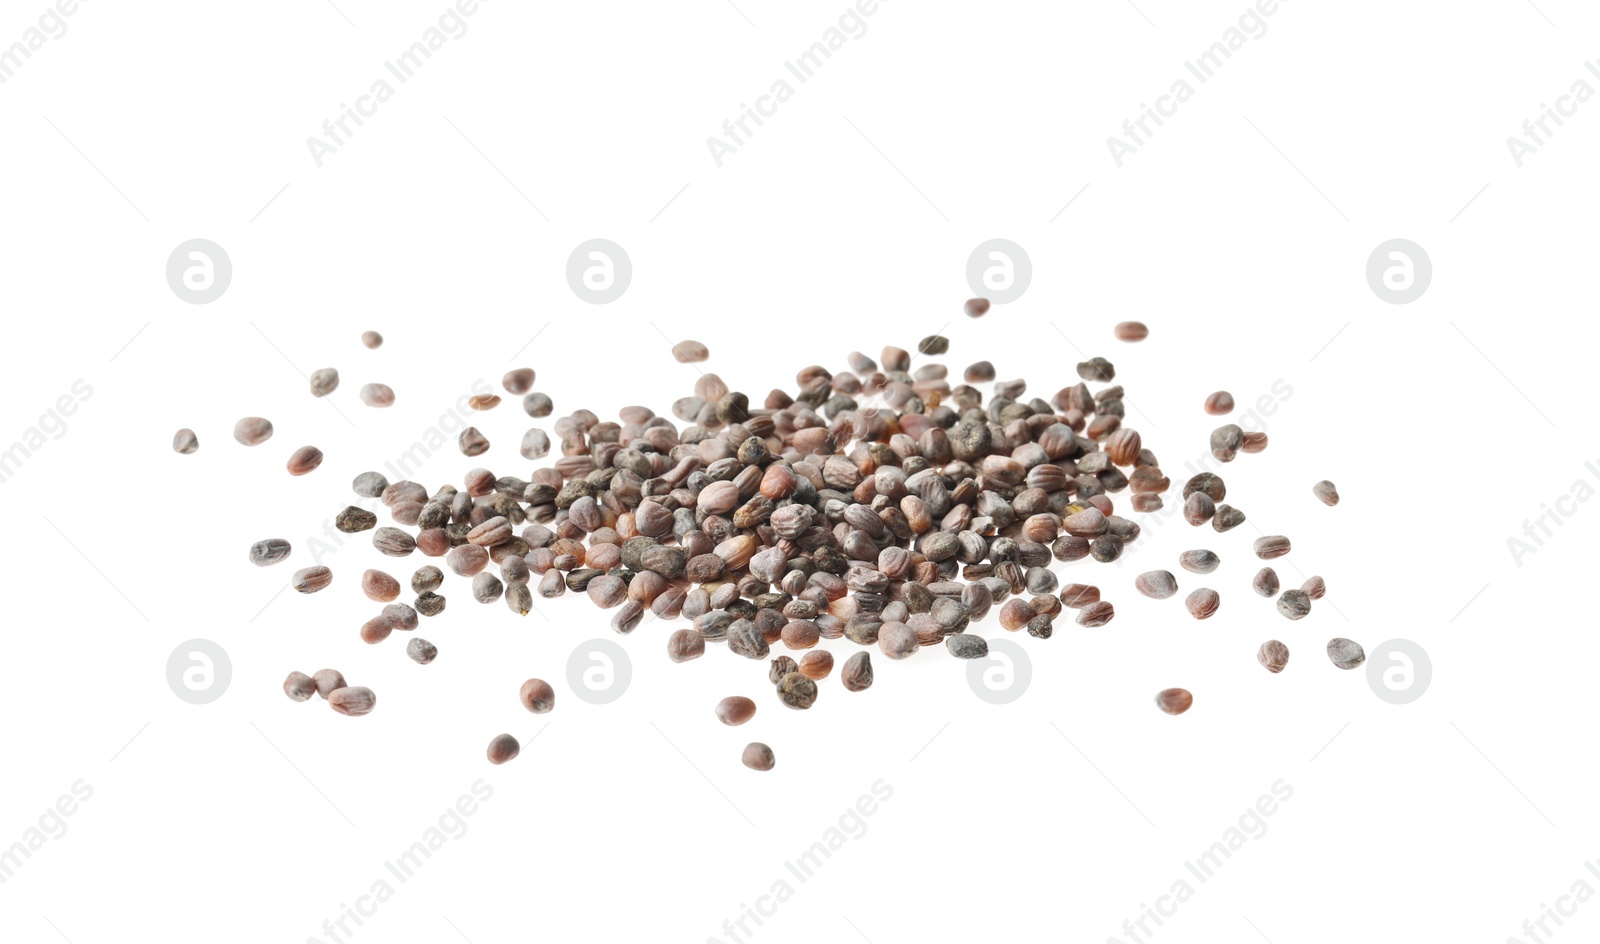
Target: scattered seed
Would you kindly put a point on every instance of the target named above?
(486, 587)
(1271, 546)
(1219, 404)
(684, 645)
(690, 352)
(1315, 588)
(252, 431)
(328, 681)
(797, 691)
(780, 667)
(1209, 483)
(518, 382)
(1294, 604)
(1078, 595)
(735, 710)
(472, 442)
(375, 630)
(1199, 562)
(304, 459)
(979, 372)
(537, 696)
(393, 542)
(1096, 614)
(1157, 584)
(1225, 442)
(299, 686)
(422, 651)
(1131, 331)
(503, 748)
(1345, 653)
(1097, 369)
(429, 604)
(355, 701)
(1326, 492)
(1265, 582)
(369, 484)
(379, 586)
(758, 756)
(184, 441)
(1198, 508)
(817, 664)
(427, 577)
(857, 672)
(1226, 519)
(1202, 603)
(483, 402)
(897, 640)
(1273, 656)
(975, 307)
(519, 599)
(934, 344)
(324, 381)
(537, 405)
(1174, 701)
(1254, 443)
(377, 395)
(311, 579)
(966, 646)
(401, 616)
(372, 339)
(269, 552)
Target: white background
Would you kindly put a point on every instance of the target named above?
(1240, 233)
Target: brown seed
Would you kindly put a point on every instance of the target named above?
(1326, 492)
(1254, 443)
(252, 431)
(393, 542)
(537, 696)
(535, 444)
(311, 579)
(1219, 403)
(1199, 562)
(735, 710)
(503, 748)
(817, 664)
(1198, 508)
(1097, 369)
(519, 599)
(299, 686)
(1225, 442)
(1015, 614)
(467, 560)
(1157, 584)
(980, 372)
(429, 604)
(483, 402)
(304, 459)
(496, 530)
(401, 616)
(684, 645)
(1131, 331)
(1226, 519)
(379, 586)
(1174, 701)
(422, 651)
(857, 672)
(376, 630)
(1078, 595)
(1123, 446)
(800, 634)
(758, 756)
(975, 307)
(780, 667)
(1314, 588)
(1202, 603)
(1209, 483)
(934, 345)
(797, 691)
(328, 681)
(1294, 604)
(1345, 653)
(324, 381)
(690, 352)
(472, 443)
(897, 640)
(372, 339)
(427, 577)
(377, 395)
(355, 701)
(184, 442)
(486, 587)
(1096, 614)
(1271, 546)
(1273, 656)
(518, 382)
(537, 405)
(1265, 582)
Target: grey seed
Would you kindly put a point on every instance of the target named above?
(1294, 604)
(796, 691)
(369, 484)
(974, 308)
(857, 672)
(324, 381)
(503, 748)
(400, 616)
(427, 577)
(1273, 656)
(1225, 442)
(897, 640)
(1315, 588)
(535, 444)
(1209, 483)
(1199, 561)
(372, 339)
(252, 431)
(1226, 519)
(537, 696)
(689, 352)
(735, 710)
(966, 646)
(515, 570)
(299, 686)
(304, 460)
(184, 441)
(377, 395)
(355, 701)
(353, 520)
(472, 443)
(379, 586)
(429, 604)
(934, 344)
(311, 579)
(1105, 548)
(519, 599)
(1265, 582)
(486, 587)
(1271, 546)
(1096, 614)
(519, 381)
(1219, 403)
(1325, 492)
(1131, 331)
(551, 585)
(780, 667)
(1041, 626)
(421, 651)
(685, 644)
(1156, 584)
(537, 405)
(1097, 369)
(758, 756)
(393, 542)
(269, 552)
(745, 639)
(1174, 701)
(328, 681)
(1202, 603)
(1345, 653)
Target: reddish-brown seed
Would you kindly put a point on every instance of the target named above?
(372, 339)
(758, 756)
(1273, 656)
(1219, 403)
(1131, 331)
(684, 645)
(252, 431)
(735, 710)
(1078, 595)
(311, 579)
(974, 308)
(816, 664)
(537, 696)
(483, 402)
(379, 586)
(518, 382)
(856, 675)
(1096, 614)
(1225, 442)
(376, 630)
(800, 634)
(1015, 614)
(1174, 701)
(1314, 588)
(1326, 492)
(1198, 508)
(1271, 546)
(354, 701)
(1123, 446)
(467, 560)
(503, 748)
(304, 459)
(1202, 603)
(1265, 582)
(1254, 443)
